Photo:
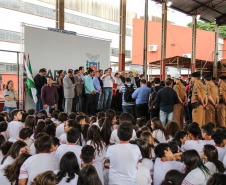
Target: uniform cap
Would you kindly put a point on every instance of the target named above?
(207, 76)
(223, 77)
(195, 74)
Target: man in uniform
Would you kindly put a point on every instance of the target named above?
(213, 99)
(222, 101)
(182, 97)
(198, 100)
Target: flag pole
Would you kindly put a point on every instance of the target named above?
(24, 84)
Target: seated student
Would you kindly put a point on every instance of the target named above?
(87, 155)
(124, 172)
(219, 137)
(207, 132)
(95, 140)
(99, 116)
(15, 126)
(210, 155)
(159, 131)
(55, 117)
(4, 147)
(81, 119)
(141, 122)
(50, 129)
(88, 176)
(172, 128)
(38, 163)
(145, 165)
(165, 162)
(92, 120)
(12, 172)
(31, 112)
(3, 128)
(173, 147)
(193, 142)
(2, 140)
(55, 143)
(33, 150)
(72, 138)
(68, 125)
(30, 122)
(180, 138)
(148, 137)
(72, 115)
(45, 178)
(69, 170)
(173, 177)
(101, 122)
(195, 172)
(40, 127)
(3, 116)
(217, 179)
(24, 135)
(60, 129)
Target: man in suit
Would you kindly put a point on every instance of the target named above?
(69, 92)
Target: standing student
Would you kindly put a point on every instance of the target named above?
(69, 170)
(210, 155)
(32, 166)
(195, 172)
(173, 177)
(123, 172)
(165, 162)
(88, 176)
(72, 138)
(159, 131)
(10, 96)
(15, 126)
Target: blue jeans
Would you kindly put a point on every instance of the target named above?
(8, 109)
(38, 105)
(108, 92)
(49, 107)
(101, 102)
(130, 109)
(165, 117)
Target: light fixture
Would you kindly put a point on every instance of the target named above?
(169, 3)
(198, 17)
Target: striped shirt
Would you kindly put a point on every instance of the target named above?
(123, 90)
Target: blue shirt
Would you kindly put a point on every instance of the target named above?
(96, 84)
(166, 98)
(89, 85)
(123, 90)
(141, 94)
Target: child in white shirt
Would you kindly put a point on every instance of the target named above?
(207, 132)
(159, 131)
(172, 127)
(72, 138)
(55, 143)
(69, 170)
(15, 126)
(3, 129)
(173, 177)
(55, 117)
(60, 129)
(24, 135)
(165, 162)
(38, 163)
(148, 137)
(123, 158)
(220, 138)
(196, 172)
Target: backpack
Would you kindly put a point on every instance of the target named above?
(128, 93)
(151, 103)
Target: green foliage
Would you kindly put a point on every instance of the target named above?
(209, 27)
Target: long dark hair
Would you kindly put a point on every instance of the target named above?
(51, 130)
(158, 125)
(192, 160)
(39, 128)
(173, 177)
(144, 148)
(12, 171)
(7, 84)
(217, 179)
(212, 155)
(96, 139)
(107, 126)
(178, 136)
(68, 166)
(30, 122)
(88, 175)
(172, 128)
(14, 150)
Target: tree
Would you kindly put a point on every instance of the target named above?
(210, 27)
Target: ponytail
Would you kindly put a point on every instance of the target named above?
(8, 83)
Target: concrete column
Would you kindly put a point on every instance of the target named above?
(60, 14)
(215, 62)
(193, 52)
(145, 40)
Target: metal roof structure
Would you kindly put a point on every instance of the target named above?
(209, 10)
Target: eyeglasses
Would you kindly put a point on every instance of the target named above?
(137, 139)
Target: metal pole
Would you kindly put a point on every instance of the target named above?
(120, 39)
(215, 66)
(60, 14)
(193, 52)
(57, 12)
(145, 39)
(18, 80)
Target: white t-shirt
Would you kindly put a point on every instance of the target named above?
(32, 149)
(221, 153)
(3, 179)
(115, 139)
(161, 168)
(195, 177)
(28, 142)
(64, 179)
(212, 167)
(208, 142)
(4, 134)
(60, 130)
(62, 149)
(37, 164)
(148, 163)
(170, 139)
(123, 163)
(56, 121)
(192, 145)
(98, 162)
(143, 175)
(14, 128)
(96, 123)
(159, 135)
(224, 162)
(63, 138)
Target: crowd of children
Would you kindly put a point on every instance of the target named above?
(108, 149)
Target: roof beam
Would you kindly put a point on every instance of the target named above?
(221, 20)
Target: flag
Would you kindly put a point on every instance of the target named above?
(32, 91)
